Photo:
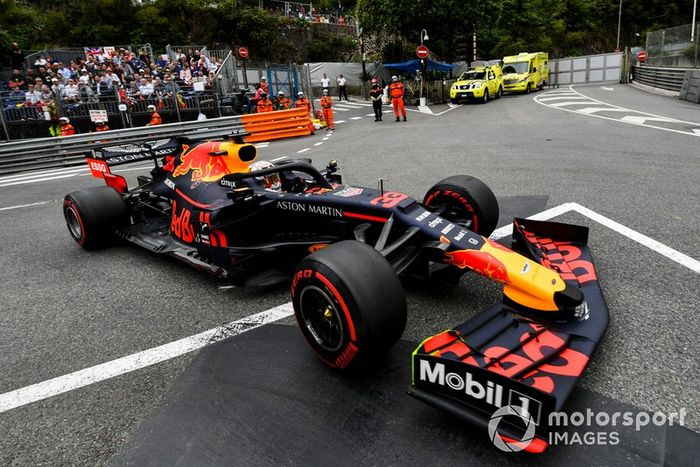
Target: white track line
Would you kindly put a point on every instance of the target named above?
(34, 180)
(303, 150)
(30, 175)
(355, 118)
(97, 373)
(670, 253)
(27, 205)
(542, 216)
(278, 159)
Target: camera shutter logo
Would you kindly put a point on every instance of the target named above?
(514, 445)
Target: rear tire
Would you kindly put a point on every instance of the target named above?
(528, 89)
(454, 101)
(466, 201)
(93, 214)
(485, 99)
(500, 92)
(349, 304)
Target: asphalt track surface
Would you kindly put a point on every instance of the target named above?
(64, 309)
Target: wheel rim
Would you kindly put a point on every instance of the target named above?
(486, 96)
(321, 318)
(73, 221)
(457, 214)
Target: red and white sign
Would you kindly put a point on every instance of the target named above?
(422, 51)
(642, 56)
(243, 52)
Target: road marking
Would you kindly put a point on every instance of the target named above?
(634, 117)
(28, 205)
(30, 175)
(111, 369)
(641, 120)
(341, 109)
(278, 159)
(355, 118)
(34, 180)
(339, 121)
(303, 150)
(670, 253)
(605, 88)
(262, 145)
(326, 138)
(319, 143)
(563, 96)
(61, 384)
(369, 115)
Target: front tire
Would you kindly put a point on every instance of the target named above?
(485, 99)
(500, 92)
(93, 214)
(528, 89)
(349, 304)
(466, 201)
(454, 101)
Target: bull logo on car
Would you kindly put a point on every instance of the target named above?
(483, 263)
(206, 163)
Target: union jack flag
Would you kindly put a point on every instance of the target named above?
(93, 50)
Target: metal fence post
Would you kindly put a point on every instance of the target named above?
(695, 61)
(2, 120)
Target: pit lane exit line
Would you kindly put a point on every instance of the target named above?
(81, 378)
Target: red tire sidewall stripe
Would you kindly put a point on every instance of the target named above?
(70, 204)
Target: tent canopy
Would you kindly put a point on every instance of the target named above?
(411, 66)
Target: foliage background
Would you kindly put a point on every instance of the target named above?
(391, 28)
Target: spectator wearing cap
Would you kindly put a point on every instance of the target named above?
(40, 61)
(56, 87)
(146, 88)
(31, 96)
(84, 77)
(155, 116)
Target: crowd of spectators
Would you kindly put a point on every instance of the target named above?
(307, 12)
(117, 75)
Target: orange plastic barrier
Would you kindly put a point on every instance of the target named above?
(276, 125)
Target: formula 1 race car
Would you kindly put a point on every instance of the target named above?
(344, 248)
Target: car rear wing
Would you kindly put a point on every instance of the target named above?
(99, 160)
(503, 362)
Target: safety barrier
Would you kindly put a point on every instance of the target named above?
(690, 91)
(670, 79)
(42, 153)
(279, 124)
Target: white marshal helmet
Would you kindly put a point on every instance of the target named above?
(280, 93)
(64, 120)
(272, 181)
(300, 94)
(325, 92)
(394, 78)
(151, 108)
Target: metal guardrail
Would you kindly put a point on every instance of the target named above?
(670, 79)
(41, 153)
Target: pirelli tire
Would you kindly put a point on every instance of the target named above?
(464, 200)
(93, 214)
(349, 304)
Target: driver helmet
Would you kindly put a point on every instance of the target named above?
(272, 181)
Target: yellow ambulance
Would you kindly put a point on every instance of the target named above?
(525, 72)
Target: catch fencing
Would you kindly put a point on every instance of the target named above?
(672, 47)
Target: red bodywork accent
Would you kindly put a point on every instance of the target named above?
(364, 217)
(97, 167)
(190, 200)
(535, 446)
(116, 181)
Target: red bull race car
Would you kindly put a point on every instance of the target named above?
(344, 248)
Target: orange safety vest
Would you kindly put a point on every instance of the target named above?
(303, 103)
(265, 105)
(326, 102)
(155, 119)
(396, 90)
(67, 130)
(284, 103)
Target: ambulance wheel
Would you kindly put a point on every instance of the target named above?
(454, 101)
(93, 214)
(528, 89)
(500, 92)
(349, 304)
(466, 201)
(485, 99)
